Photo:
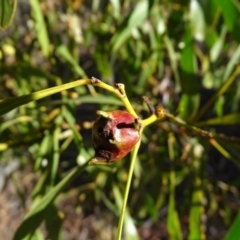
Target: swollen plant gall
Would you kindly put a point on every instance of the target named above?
(114, 134)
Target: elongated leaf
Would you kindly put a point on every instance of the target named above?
(218, 45)
(64, 52)
(188, 66)
(230, 13)
(44, 148)
(20, 119)
(53, 223)
(36, 215)
(233, 118)
(56, 155)
(150, 207)
(116, 8)
(71, 121)
(190, 98)
(27, 70)
(228, 150)
(196, 211)
(220, 92)
(235, 58)
(188, 106)
(197, 20)
(173, 223)
(10, 103)
(234, 231)
(210, 9)
(7, 10)
(40, 26)
(38, 188)
(173, 59)
(99, 99)
(135, 19)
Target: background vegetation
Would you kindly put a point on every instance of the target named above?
(183, 55)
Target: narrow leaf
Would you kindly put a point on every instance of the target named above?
(40, 26)
(135, 19)
(220, 92)
(64, 52)
(9, 104)
(234, 230)
(196, 211)
(7, 10)
(36, 215)
(230, 13)
(228, 151)
(173, 223)
(197, 20)
(230, 119)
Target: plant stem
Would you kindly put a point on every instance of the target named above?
(119, 91)
(121, 220)
(153, 118)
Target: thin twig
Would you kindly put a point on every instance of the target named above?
(200, 131)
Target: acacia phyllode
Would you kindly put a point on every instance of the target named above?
(114, 134)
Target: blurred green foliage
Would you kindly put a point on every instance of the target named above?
(184, 55)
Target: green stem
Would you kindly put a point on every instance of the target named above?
(130, 174)
(201, 132)
(119, 91)
(153, 118)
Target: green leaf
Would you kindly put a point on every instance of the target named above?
(36, 215)
(188, 66)
(53, 223)
(64, 52)
(44, 148)
(98, 99)
(230, 13)
(188, 106)
(234, 229)
(56, 155)
(197, 20)
(218, 45)
(71, 121)
(173, 60)
(235, 58)
(173, 223)
(225, 86)
(40, 27)
(135, 19)
(116, 8)
(210, 9)
(147, 71)
(40, 185)
(9, 104)
(230, 119)
(150, 207)
(5, 125)
(196, 211)
(229, 150)
(7, 10)
(189, 102)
